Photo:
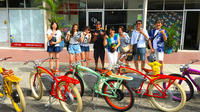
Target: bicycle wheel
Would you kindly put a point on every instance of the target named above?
(80, 86)
(36, 85)
(189, 90)
(124, 100)
(2, 92)
(17, 99)
(168, 103)
(71, 104)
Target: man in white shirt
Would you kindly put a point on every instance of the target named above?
(139, 37)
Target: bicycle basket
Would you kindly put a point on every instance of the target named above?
(47, 81)
(90, 79)
(136, 81)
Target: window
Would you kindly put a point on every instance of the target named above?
(2, 3)
(113, 4)
(115, 19)
(133, 4)
(32, 3)
(15, 3)
(192, 4)
(95, 4)
(29, 27)
(174, 4)
(155, 5)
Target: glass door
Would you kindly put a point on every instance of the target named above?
(93, 17)
(4, 28)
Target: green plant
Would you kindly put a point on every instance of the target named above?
(52, 8)
(173, 37)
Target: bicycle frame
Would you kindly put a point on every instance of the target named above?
(151, 81)
(188, 73)
(57, 80)
(102, 78)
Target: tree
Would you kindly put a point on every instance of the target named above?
(52, 8)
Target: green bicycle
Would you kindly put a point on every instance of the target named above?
(114, 90)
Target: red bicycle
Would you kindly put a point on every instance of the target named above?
(58, 87)
(161, 89)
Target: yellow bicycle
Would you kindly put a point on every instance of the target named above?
(9, 86)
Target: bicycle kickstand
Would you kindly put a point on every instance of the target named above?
(50, 102)
(94, 106)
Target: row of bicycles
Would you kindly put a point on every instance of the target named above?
(117, 86)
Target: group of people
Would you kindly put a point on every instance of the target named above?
(115, 43)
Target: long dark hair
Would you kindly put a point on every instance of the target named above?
(72, 31)
(52, 25)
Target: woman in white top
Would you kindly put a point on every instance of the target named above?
(85, 48)
(54, 38)
(74, 37)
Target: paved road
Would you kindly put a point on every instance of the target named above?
(141, 104)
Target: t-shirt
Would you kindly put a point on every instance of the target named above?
(111, 41)
(56, 36)
(75, 38)
(159, 43)
(124, 41)
(98, 44)
(85, 41)
(142, 40)
(155, 41)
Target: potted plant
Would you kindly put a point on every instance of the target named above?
(172, 42)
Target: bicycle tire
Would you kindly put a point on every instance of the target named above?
(167, 109)
(75, 92)
(82, 89)
(189, 84)
(22, 99)
(31, 82)
(116, 107)
(2, 92)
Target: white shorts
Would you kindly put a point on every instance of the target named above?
(159, 55)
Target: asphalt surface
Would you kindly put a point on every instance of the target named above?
(141, 103)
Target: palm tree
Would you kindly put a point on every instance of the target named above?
(52, 8)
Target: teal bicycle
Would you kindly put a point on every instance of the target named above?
(115, 89)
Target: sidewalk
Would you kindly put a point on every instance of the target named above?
(141, 104)
(22, 55)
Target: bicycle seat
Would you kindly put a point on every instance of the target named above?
(110, 73)
(147, 70)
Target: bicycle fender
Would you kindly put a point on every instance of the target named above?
(42, 70)
(13, 78)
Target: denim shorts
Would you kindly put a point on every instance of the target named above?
(53, 49)
(74, 49)
(140, 52)
(85, 48)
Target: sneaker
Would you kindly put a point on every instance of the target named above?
(161, 73)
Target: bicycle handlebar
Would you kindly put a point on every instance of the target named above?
(38, 61)
(6, 58)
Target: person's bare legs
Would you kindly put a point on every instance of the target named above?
(77, 57)
(57, 61)
(87, 58)
(71, 58)
(161, 67)
(142, 64)
(51, 61)
(136, 65)
(83, 57)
